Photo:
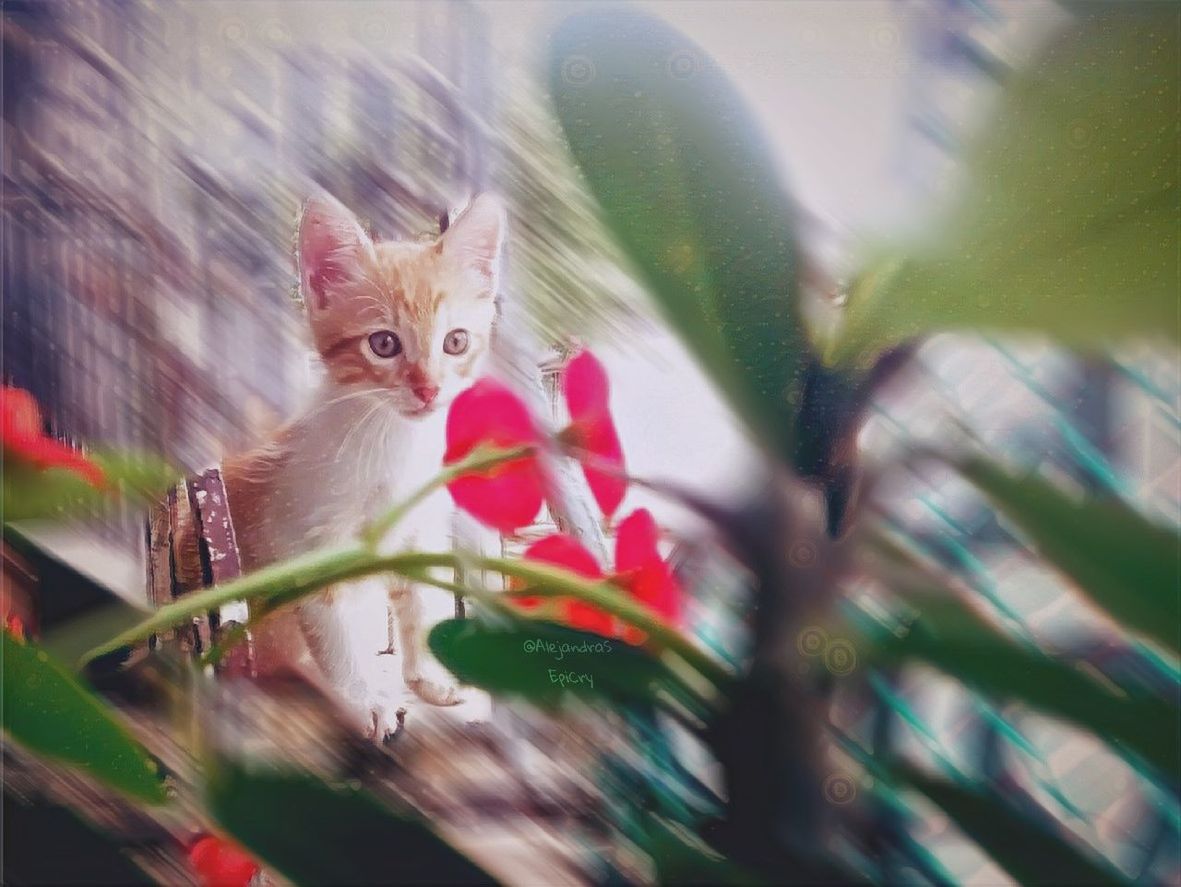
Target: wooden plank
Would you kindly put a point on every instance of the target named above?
(220, 559)
(158, 530)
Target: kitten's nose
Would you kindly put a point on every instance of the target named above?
(426, 393)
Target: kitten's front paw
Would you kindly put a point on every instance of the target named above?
(376, 716)
(382, 723)
(434, 693)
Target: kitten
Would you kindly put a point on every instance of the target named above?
(402, 328)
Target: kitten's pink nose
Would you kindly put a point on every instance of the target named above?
(426, 393)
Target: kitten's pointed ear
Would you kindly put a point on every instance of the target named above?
(331, 247)
(475, 237)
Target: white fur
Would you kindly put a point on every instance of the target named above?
(349, 458)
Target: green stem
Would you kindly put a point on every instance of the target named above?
(481, 459)
(291, 580)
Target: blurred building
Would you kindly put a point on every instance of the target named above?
(155, 158)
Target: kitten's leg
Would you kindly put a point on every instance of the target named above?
(390, 622)
(408, 610)
(347, 657)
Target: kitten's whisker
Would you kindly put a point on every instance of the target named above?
(351, 395)
(352, 432)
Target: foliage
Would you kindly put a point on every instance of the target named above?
(49, 712)
(1068, 227)
(314, 833)
(1064, 230)
(686, 183)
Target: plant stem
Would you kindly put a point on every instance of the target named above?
(482, 458)
(286, 582)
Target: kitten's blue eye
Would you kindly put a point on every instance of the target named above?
(457, 342)
(385, 343)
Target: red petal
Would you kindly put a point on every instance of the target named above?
(565, 551)
(636, 540)
(219, 863)
(24, 441)
(15, 626)
(508, 496)
(604, 475)
(587, 393)
(560, 550)
(21, 416)
(585, 617)
(642, 571)
(585, 386)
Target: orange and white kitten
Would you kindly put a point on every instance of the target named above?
(402, 327)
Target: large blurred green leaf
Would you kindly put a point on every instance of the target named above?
(1020, 844)
(58, 494)
(949, 636)
(1069, 224)
(50, 713)
(689, 187)
(313, 833)
(35, 833)
(532, 658)
(1119, 559)
(681, 857)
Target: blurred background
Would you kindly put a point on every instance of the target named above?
(156, 153)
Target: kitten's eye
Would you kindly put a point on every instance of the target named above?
(457, 342)
(385, 344)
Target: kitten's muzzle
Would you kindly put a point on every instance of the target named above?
(426, 393)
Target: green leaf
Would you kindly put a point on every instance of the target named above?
(1119, 559)
(548, 664)
(681, 857)
(314, 833)
(35, 833)
(688, 186)
(57, 494)
(1069, 224)
(50, 713)
(949, 636)
(1020, 844)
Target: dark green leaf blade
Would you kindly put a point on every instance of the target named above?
(681, 857)
(547, 663)
(950, 637)
(689, 188)
(1019, 844)
(51, 714)
(35, 833)
(1069, 227)
(1119, 559)
(313, 833)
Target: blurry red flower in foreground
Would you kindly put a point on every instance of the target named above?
(639, 569)
(643, 572)
(564, 551)
(507, 496)
(15, 626)
(592, 429)
(25, 443)
(219, 863)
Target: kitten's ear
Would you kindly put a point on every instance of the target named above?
(476, 236)
(331, 247)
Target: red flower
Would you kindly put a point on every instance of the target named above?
(507, 496)
(639, 569)
(564, 551)
(643, 572)
(24, 441)
(592, 429)
(15, 626)
(220, 863)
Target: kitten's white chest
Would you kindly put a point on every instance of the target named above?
(350, 466)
